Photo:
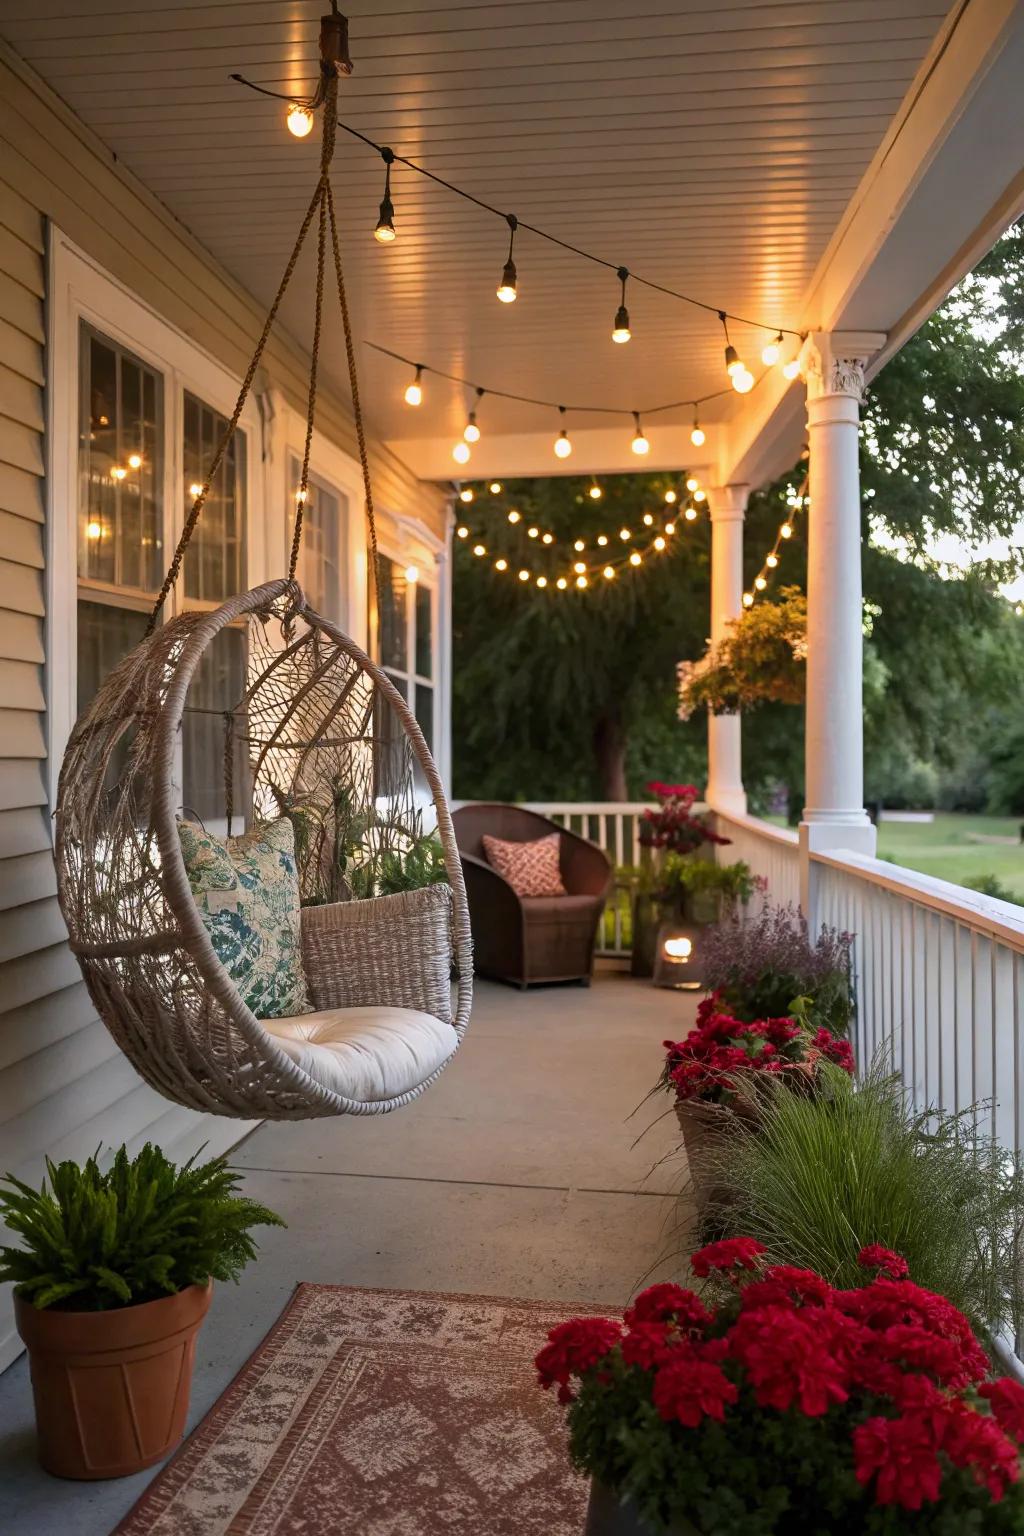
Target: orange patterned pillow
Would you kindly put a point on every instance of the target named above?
(531, 869)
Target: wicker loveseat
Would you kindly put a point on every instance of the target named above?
(531, 939)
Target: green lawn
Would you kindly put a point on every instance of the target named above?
(958, 848)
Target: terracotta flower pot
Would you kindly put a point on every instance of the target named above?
(111, 1388)
(607, 1517)
(705, 1128)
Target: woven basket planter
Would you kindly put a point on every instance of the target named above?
(705, 1128)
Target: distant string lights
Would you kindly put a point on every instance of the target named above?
(796, 501)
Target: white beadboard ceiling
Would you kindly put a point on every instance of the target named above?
(712, 147)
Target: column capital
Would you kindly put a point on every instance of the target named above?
(833, 362)
(728, 503)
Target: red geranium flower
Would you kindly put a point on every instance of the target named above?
(574, 1347)
(649, 1344)
(970, 1440)
(790, 1361)
(874, 1256)
(782, 1284)
(730, 1253)
(901, 1454)
(1006, 1399)
(690, 1390)
(669, 1301)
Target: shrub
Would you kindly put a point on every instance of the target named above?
(791, 1407)
(762, 966)
(825, 1175)
(143, 1229)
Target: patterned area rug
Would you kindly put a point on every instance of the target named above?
(387, 1413)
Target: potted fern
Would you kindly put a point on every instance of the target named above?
(112, 1281)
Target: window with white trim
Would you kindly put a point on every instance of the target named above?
(405, 631)
(322, 563)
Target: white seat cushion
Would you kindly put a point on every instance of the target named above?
(365, 1054)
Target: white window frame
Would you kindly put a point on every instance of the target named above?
(408, 541)
(80, 290)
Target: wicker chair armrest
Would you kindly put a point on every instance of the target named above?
(391, 951)
(586, 869)
(489, 891)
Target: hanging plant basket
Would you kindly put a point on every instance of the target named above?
(761, 660)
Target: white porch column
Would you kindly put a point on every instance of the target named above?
(834, 815)
(728, 504)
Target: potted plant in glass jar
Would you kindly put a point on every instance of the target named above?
(112, 1282)
(784, 1407)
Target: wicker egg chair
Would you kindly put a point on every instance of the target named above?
(318, 734)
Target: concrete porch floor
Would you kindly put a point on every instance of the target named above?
(515, 1175)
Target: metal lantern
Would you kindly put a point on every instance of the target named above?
(678, 956)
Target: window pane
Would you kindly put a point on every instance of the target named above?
(392, 620)
(105, 635)
(425, 713)
(218, 685)
(120, 497)
(214, 561)
(424, 632)
(321, 566)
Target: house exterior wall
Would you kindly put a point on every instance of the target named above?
(64, 1086)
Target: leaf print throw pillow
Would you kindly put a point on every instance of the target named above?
(247, 892)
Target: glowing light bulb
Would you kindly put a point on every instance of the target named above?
(135, 461)
(118, 472)
(608, 573)
(579, 567)
(501, 565)
(533, 533)
(733, 362)
(547, 538)
(624, 533)
(648, 520)
(670, 529)
(514, 516)
(697, 436)
(621, 331)
(414, 391)
(771, 350)
(195, 490)
(636, 558)
(791, 369)
(507, 287)
(462, 531)
(692, 483)
(760, 583)
(460, 453)
(542, 581)
(412, 574)
(595, 493)
(700, 495)
(384, 230)
(602, 539)
(299, 120)
(466, 495)
(786, 531)
(524, 575)
(563, 447)
(690, 514)
(479, 549)
(659, 542)
(93, 530)
(671, 497)
(743, 381)
(581, 582)
(640, 443)
(748, 599)
(300, 496)
(579, 544)
(495, 487)
(471, 432)
(561, 583)
(677, 949)
(771, 562)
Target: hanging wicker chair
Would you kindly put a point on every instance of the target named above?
(317, 734)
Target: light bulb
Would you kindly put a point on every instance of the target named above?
(579, 567)
(412, 574)
(384, 230)
(542, 581)
(118, 472)
(563, 447)
(413, 394)
(195, 490)
(460, 453)
(501, 565)
(748, 599)
(786, 531)
(791, 369)
(594, 493)
(609, 573)
(93, 530)
(733, 362)
(533, 533)
(659, 542)
(514, 516)
(670, 529)
(466, 495)
(700, 495)
(135, 461)
(300, 496)
(547, 538)
(760, 583)
(621, 331)
(636, 558)
(471, 432)
(561, 583)
(602, 539)
(507, 286)
(690, 514)
(640, 443)
(479, 549)
(697, 436)
(770, 351)
(579, 544)
(692, 483)
(524, 575)
(299, 120)
(581, 582)
(495, 487)
(462, 531)
(742, 381)
(771, 562)
(648, 520)
(624, 533)
(671, 497)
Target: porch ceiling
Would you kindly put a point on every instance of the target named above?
(712, 147)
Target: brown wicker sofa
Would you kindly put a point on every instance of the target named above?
(539, 938)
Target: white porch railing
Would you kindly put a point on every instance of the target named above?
(940, 983)
(772, 852)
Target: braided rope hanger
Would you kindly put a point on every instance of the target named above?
(321, 206)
